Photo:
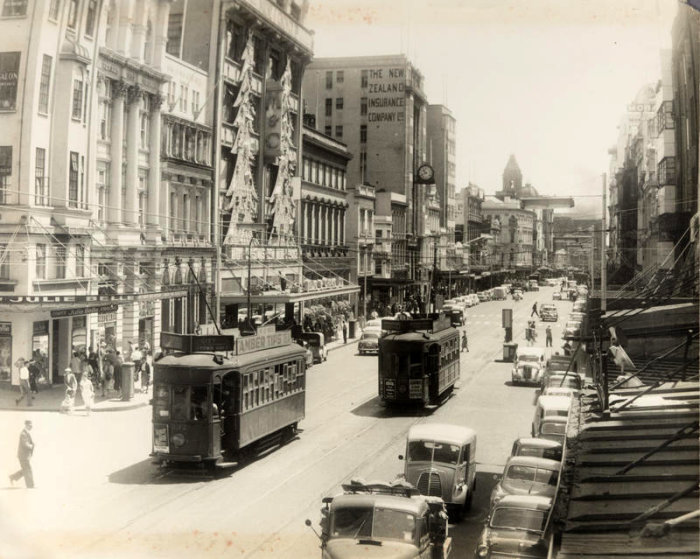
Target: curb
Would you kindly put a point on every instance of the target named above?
(350, 342)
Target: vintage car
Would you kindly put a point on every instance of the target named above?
(484, 296)
(517, 294)
(540, 448)
(474, 299)
(548, 407)
(369, 342)
(383, 520)
(534, 285)
(553, 428)
(569, 384)
(549, 312)
(527, 475)
(556, 296)
(572, 329)
(515, 528)
(441, 461)
(499, 293)
(580, 305)
(528, 366)
(315, 341)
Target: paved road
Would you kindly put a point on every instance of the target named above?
(99, 495)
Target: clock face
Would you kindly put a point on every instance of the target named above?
(425, 172)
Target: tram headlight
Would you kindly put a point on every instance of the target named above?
(178, 439)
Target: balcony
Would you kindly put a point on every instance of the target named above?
(364, 190)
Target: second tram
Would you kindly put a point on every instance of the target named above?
(418, 360)
(212, 405)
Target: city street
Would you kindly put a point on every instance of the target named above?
(99, 495)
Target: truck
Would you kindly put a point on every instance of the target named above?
(379, 519)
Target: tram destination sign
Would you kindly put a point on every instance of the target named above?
(266, 338)
(428, 324)
(191, 343)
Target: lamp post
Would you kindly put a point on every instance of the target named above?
(252, 227)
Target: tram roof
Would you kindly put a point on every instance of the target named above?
(421, 335)
(205, 361)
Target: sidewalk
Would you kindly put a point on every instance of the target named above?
(49, 398)
(336, 344)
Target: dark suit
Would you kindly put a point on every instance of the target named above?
(25, 449)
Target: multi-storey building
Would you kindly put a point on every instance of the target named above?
(360, 235)
(685, 36)
(376, 105)
(390, 218)
(442, 155)
(323, 206)
(516, 231)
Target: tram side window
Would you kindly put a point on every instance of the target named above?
(245, 391)
(199, 404)
(180, 402)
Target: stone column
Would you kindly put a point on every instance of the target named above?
(153, 211)
(114, 211)
(124, 26)
(342, 228)
(309, 222)
(131, 205)
(160, 34)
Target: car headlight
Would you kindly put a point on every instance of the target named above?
(482, 550)
(178, 439)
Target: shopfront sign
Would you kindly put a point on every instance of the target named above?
(105, 315)
(5, 328)
(191, 343)
(266, 338)
(81, 311)
(9, 74)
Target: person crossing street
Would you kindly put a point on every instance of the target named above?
(548, 333)
(465, 344)
(534, 310)
(25, 449)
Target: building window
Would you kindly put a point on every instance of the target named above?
(305, 169)
(339, 76)
(44, 84)
(183, 98)
(54, 9)
(72, 14)
(328, 130)
(329, 107)
(236, 37)
(198, 214)
(60, 261)
(145, 123)
(14, 8)
(90, 18)
(195, 102)
(102, 189)
(363, 106)
(259, 55)
(363, 167)
(41, 190)
(329, 80)
(339, 103)
(339, 132)
(314, 168)
(105, 113)
(73, 180)
(40, 263)
(77, 112)
(364, 78)
(79, 261)
(378, 267)
(363, 133)
(4, 262)
(5, 172)
(667, 171)
(174, 34)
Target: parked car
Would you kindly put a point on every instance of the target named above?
(499, 293)
(572, 329)
(484, 296)
(569, 384)
(515, 528)
(540, 448)
(317, 344)
(548, 407)
(369, 342)
(556, 296)
(534, 285)
(580, 305)
(441, 461)
(549, 312)
(527, 475)
(474, 299)
(529, 365)
(553, 428)
(517, 295)
(309, 355)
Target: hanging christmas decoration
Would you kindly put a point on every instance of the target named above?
(241, 196)
(282, 197)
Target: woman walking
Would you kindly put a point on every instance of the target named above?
(88, 392)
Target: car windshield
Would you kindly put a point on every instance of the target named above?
(370, 336)
(529, 357)
(518, 472)
(553, 428)
(427, 451)
(518, 519)
(369, 522)
(539, 452)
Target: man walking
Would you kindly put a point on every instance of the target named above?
(465, 344)
(548, 332)
(25, 449)
(345, 331)
(534, 310)
(24, 388)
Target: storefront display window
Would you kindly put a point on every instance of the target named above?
(5, 351)
(40, 348)
(79, 333)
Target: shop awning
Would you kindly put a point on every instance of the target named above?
(281, 297)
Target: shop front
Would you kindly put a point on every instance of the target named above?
(147, 312)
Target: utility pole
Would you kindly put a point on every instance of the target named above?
(434, 282)
(603, 274)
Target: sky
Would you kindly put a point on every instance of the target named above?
(545, 80)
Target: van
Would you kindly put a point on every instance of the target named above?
(547, 407)
(499, 293)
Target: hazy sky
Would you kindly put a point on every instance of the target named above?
(547, 80)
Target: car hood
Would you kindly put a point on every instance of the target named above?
(445, 472)
(350, 549)
(517, 542)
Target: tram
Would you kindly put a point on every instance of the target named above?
(217, 402)
(418, 360)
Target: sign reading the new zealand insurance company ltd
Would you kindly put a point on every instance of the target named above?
(386, 95)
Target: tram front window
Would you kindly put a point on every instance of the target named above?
(190, 403)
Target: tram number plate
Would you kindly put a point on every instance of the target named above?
(160, 438)
(415, 388)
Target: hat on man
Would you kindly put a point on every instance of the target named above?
(28, 422)
(67, 370)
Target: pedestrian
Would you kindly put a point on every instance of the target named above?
(88, 392)
(108, 372)
(34, 373)
(534, 310)
(145, 374)
(25, 450)
(465, 344)
(345, 331)
(24, 387)
(548, 332)
(71, 386)
(117, 364)
(128, 351)
(75, 362)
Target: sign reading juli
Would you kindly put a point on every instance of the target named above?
(386, 94)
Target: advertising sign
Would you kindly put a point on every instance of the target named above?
(273, 118)
(266, 338)
(9, 73)
(386, 95)
(191, 343)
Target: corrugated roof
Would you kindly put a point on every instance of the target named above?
(614, 502)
